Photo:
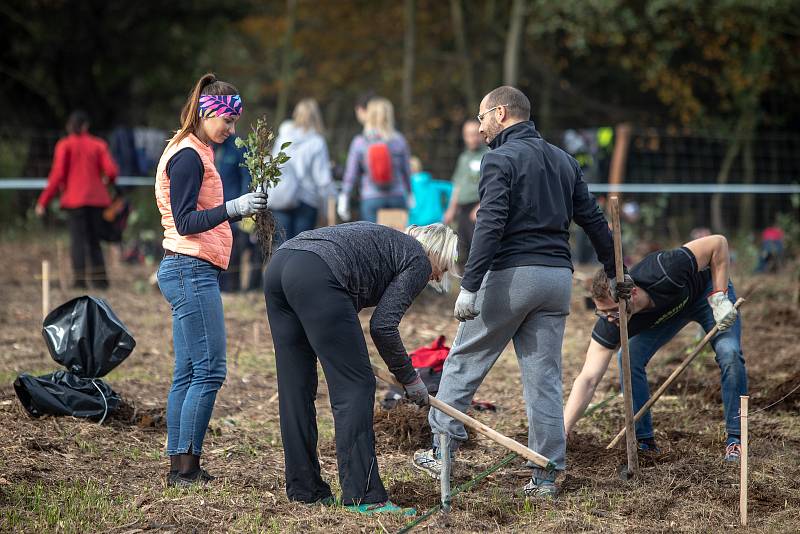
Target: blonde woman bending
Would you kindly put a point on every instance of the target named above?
(378, 160)
(315, 286)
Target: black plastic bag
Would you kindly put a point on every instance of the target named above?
(85, 336)
(63, 393)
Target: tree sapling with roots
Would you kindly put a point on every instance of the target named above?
(265, 173)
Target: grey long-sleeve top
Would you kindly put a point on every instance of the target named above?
(378, 266)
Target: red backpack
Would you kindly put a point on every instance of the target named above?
(431, 356)
(379, 164)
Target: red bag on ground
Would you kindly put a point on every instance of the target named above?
(432, 355)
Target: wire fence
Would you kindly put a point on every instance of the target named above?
(670, 175)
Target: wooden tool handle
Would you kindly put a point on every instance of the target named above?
(475, 425)
(631, 445)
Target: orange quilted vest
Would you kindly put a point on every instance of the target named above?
(213, 245)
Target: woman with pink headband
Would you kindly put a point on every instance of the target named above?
(197, 247)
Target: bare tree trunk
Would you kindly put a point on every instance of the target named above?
(745, 124)
(513, 43)
(746, 206)
(408, 64)
(460, 33)
(287, 70)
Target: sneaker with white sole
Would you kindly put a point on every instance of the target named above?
(541, 488)
(430, 461)
(733, 450)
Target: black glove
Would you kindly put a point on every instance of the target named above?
(417, 392)
(621, 289)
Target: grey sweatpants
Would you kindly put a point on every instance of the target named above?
(528, 305)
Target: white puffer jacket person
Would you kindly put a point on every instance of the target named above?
(306, 178)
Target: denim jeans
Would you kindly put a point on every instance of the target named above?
(370, 206)
(292, 222)
(727, 346)
(191, 286)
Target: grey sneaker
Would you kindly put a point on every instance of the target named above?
(541, 488)
(430, 461)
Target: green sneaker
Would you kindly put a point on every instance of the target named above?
(380, 508)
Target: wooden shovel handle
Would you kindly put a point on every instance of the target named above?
(475, 425)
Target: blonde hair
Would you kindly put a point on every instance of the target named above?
(380, 117)
(307, 116)
(441, 245)
(208, 84)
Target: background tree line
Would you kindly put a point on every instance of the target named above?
(717, 63)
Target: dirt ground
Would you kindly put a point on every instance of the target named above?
(68, 475)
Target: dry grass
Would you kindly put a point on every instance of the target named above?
(68, 475)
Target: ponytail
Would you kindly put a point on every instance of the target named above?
(190, 114)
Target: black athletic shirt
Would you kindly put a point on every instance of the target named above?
(380, 267)
(672, 280)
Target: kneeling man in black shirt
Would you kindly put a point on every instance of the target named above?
(672, 288)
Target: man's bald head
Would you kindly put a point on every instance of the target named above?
(516, 103)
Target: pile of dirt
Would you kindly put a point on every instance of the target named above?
(786, 394)
(402, 428)
(129, 414)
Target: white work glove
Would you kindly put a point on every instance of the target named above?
(343, 207)
(724, 312)
(246, 205)
(417, 392)
(466, 307)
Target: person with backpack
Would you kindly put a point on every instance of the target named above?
(306, 180)
(315, 286)
(197, 248)
(379, 160)
(82, 168)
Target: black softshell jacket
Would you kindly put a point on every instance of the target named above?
(530, 191)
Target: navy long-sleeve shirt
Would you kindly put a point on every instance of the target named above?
(185, 171)
(530, 191)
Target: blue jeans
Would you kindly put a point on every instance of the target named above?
(294, 221)
(370, 206)
(727, 346)
(191, 286)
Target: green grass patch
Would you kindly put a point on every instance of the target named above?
(65, 507)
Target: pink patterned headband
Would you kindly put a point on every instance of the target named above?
(220, 106)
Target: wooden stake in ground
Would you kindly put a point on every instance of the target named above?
(674, 376)
(45, 288)
(475, 425)
(743, 461)
(632, 447)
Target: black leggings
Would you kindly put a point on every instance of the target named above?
(312, 316)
